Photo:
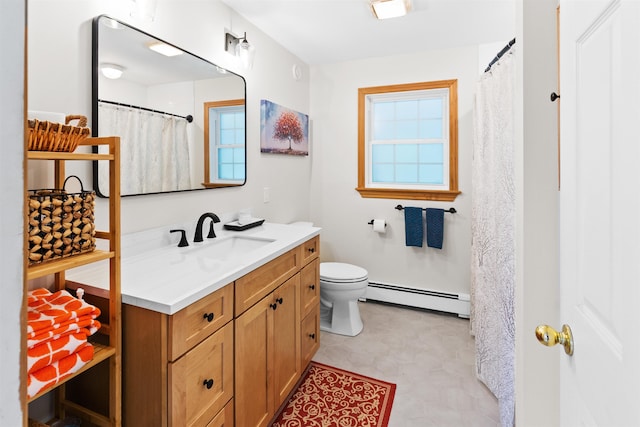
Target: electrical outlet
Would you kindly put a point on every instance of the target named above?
(265, 194)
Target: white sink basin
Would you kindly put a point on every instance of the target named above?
(225, 247)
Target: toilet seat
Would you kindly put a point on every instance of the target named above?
(339, 272)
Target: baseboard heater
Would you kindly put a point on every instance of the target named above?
(421, 298)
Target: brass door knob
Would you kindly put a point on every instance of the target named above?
(550, 337)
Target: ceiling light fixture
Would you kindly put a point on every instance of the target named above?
(384, 9)
(240, 47)
(164, 49)
(111, 71)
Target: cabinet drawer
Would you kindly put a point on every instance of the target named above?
(194, 323)
(309, 336)
(309, 287)
(255, 285)
(201, 381)
(224, 417)
(310, 249)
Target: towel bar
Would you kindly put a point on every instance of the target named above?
(450, 210)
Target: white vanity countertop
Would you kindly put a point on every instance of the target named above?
(165, 278)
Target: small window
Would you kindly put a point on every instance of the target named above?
(225, 147)
(408, 141)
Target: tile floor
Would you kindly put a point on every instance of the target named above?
(430, 358)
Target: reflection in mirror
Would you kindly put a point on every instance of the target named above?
(224, 155)
(153, 102)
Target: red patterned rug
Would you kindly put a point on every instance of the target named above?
(332, 397)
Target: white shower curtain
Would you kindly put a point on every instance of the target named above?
(154, 149)
(493, 238)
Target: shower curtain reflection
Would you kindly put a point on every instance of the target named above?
(154, 150)
(493, 238)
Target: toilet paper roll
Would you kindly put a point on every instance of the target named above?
(379, 225)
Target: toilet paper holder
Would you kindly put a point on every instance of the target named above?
(371, 223)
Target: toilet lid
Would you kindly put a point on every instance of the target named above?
(341, 272)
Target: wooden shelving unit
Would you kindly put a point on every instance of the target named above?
(107, 342)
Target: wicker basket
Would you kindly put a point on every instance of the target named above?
(61, 224)
(49, 136)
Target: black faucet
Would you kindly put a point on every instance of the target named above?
(212, 234)
(183, 238)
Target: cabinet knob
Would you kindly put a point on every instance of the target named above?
(312, 287)
(208, 316)
(273, 306)
(279, 300)
(312, 336)
(208, 383)
(312, 250)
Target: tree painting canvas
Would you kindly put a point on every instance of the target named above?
(283, 131)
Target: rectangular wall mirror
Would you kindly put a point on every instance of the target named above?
(181, 119)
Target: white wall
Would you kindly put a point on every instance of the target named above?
(12, 23)
(337, 206)
(60, 80)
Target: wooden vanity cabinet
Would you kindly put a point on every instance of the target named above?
(230, 358)
(178, 369)
(309, 311)
(269, 334)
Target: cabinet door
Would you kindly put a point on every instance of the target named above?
(309, 287)
(309, 336)
(254, 350)
(286, 338)
(201, 381)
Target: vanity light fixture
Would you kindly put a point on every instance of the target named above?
(383, 9)
(240, 47)
(164, 49)
(111, 71)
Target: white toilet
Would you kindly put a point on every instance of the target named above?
(340, 287)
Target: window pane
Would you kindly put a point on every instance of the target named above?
(225, 171)
(238, 155)
(227, 136)
(227, 121)
(406, 153)
(431, 129)
(430, 153)
(240, 136)
(382, 153)
(407, 129)
(407, 174)
(431, 108)
(382, 173)
(239, 172)
(406, 110)
(225, 155)
(383, 110)
(383, 130)
(431, 174)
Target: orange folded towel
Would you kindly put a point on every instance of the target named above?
(47, 311)
(58, 371)
(84, 325)
(45, 354)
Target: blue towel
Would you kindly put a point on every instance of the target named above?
(435, 227)
(413, 227)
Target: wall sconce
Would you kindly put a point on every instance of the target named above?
(111, 71)
(241, 48)
(383, 9)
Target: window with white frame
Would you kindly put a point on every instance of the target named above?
(407, 141)
(225, 148)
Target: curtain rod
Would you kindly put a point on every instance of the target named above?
(188, 118)
(499, 55)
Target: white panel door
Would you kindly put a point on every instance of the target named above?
(600, 211)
